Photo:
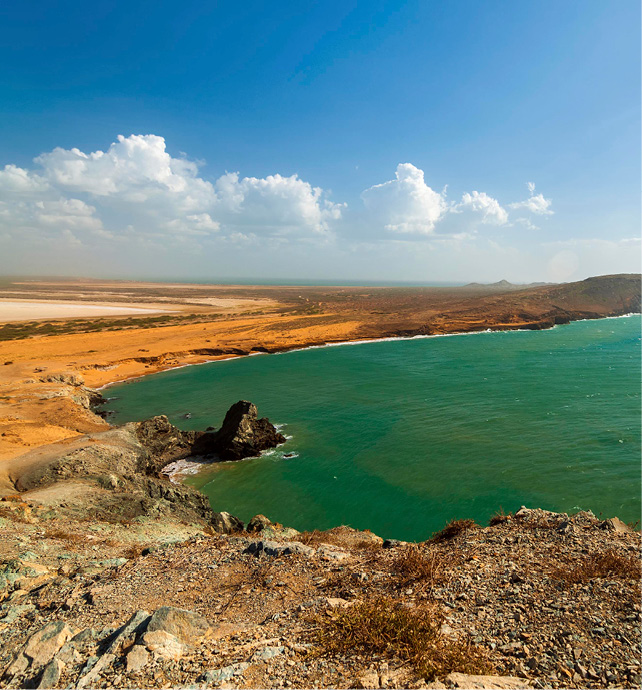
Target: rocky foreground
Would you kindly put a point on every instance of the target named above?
(537, 599)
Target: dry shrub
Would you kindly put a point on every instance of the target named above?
(499, 518)
(342, 537)
(413, 564)
(383, 626)
(63, 535)
(453, 529)
(607, 564)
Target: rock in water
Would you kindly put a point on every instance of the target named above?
(242, 435)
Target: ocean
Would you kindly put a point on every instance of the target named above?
(401, 436)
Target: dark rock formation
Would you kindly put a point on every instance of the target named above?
(242, 435)
(258, 523)
(164, 443)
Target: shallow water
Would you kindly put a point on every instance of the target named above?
(400, 437)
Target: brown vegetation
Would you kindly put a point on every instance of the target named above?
(386, 627)
(453, 529)
(607, 564)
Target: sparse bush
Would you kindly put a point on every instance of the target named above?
(413, 564)
(499, 518)
(453, 529)
(607, 564)
(383, 626)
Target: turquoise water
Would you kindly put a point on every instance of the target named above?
(402, 436)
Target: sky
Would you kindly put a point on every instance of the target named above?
(419, 141)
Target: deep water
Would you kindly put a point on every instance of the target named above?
(402, 436)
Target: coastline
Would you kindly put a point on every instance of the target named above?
(48, 384)
(367, 341)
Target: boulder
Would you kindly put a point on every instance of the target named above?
(51, 674)
(41, 647)
(258, 523)
(615, 525)
(187, 626)
(136, 624)
(163, 644)
(137, 658)
(224, 523)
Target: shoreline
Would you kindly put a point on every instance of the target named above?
(226, 358)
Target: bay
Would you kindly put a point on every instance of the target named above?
(401, 436)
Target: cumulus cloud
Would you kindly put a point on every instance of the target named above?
(536, 203)
(136, 188)
(489, 209)
(406, 204)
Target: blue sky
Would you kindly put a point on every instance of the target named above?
(375, 107)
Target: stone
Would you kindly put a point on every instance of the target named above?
(332, 553)
(225, 523)
(136, 624)
(91, 676)
(258, 523)
(219, 675)
(368, 679)
(267, 653)
(187, 626)
(392, 543)
(473, 682)
(41, 647)
(51, 674)
(163, 644)
(137, 658)
(275, 549)
(614, 524)
(336, 602)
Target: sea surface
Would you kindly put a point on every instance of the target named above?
(402, 436)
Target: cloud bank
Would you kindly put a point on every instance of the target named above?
(136, 207)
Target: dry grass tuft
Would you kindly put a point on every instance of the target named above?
(499, 518)
(413, 564)
(383, 626)
(339, 536)
(607, 564)
(453, 529)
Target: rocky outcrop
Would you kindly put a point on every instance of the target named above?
(120, 470)
(242, 435)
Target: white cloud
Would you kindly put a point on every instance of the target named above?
(136, 188)
(278, 204)
(536, 203)
(406, 204)
(490, 210)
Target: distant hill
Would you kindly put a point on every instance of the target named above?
(505, 285)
